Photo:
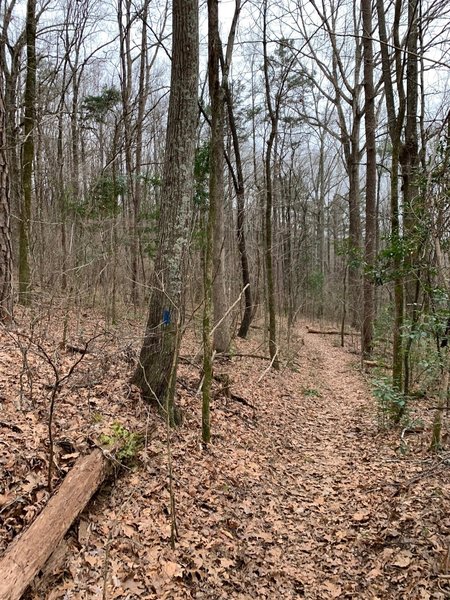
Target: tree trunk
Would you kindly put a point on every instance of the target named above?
(6, 298)
(241, 236)
(159, 353)
(137, 179)
(412, 205)
(238, 180)
(354, 268)
(268, 250)
(395, 123)
(221, 336)
(371, 181)
(27, 157)
(216, 194)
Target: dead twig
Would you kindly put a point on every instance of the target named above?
(56, 387)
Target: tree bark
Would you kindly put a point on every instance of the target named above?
(371, 181)
(412, 205)
(216, 194)
(159, 353)
(268, 251)
(221, 336)
(395, 124)
(238, 182)
(27, 157)
(6, 297)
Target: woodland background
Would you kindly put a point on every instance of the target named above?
(229, 172)
(317, 186)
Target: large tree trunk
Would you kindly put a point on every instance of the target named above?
(412, 205)
(27, 157)
(6, 299)
(159, 353)
(216, 195)
(371, 181)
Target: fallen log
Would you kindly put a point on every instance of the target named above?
(330, 331)
(374, 363)
(27, 554)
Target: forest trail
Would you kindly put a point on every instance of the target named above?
(299, 495)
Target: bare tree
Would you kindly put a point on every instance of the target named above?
(238, 179)
(340, 68)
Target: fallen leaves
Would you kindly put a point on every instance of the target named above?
(293, 499)
(172, 569)
(361, 516)
(403, 559)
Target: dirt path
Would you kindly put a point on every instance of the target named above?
(298, 497)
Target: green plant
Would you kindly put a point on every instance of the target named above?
(126, 442)
(311, 393)
(97, 417)
(391, 402)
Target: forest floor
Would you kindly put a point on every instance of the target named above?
(299, 495)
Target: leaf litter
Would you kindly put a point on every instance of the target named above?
(300, 495)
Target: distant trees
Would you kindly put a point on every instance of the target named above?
(327, 105)
(335, 55)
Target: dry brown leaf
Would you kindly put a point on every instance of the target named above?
(83, 532)
(5, 498)
(403, 559)
(93, 560)
(128, 530)
(172, 569)
(226, 563)
(334, 589)
(361, 516)
(70, 456)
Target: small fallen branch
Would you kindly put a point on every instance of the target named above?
(29, 552)
(242, 400)
(11, 426)
(77, 349)
(269, 367)
(239, 355)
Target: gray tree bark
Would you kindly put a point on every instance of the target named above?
(371, 180)
(155, 373)
(27, 157)
(6, 298)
